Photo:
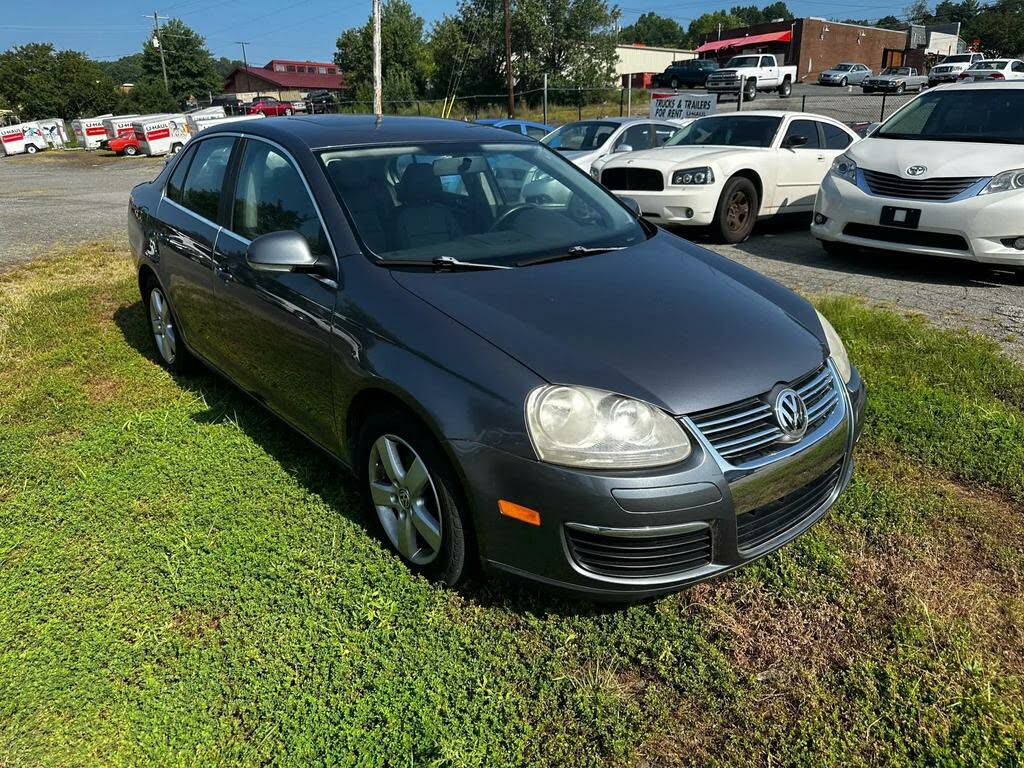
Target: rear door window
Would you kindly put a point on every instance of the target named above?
(202, 189)
(177, 180)
(835, 137)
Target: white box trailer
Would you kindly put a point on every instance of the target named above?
(117, 126)
(161, 134)
(21, 138)
(89, 131)
(196, 127)
(55, 132)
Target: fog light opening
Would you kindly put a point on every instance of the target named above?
(1018, 243)
(820, 218)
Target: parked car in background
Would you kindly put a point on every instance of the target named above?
(585, 141)
(753, 73)
(994, 69)
(523, 127)
(944, 176)
(270, 107)
(895, 80)
(562, 392)
(692, 73)
(949, 69)
(597, 165)
(124, 145)
(321, 101)
(729, 170)
(847, 73)
(299, 106)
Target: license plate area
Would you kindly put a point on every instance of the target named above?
(905, 218)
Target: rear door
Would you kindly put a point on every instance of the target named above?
(800, 169)
(274, 328)
(186, 235)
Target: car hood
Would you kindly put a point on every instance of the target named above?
(664, 321)
(940, 158)
(887, 78)
(835, 72)
(672, 157)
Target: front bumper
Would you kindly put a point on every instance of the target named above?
(703, 498)
(723, 86)
(689, 205)
(934, 79)
(981, 222)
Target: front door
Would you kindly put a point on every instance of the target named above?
(801, 168)
(275, 327)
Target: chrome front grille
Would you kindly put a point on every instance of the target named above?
(888, 185)
(747, 431)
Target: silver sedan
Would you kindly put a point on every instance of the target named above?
(847, 73)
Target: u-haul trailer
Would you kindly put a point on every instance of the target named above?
(118, 125)
(54, 131)
(197, 126)
(161, 134)
(89, 131)
(21, 137)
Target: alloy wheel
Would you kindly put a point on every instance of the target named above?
(737, 211)
(162, 320)
(406, 500)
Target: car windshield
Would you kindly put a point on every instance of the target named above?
(990, 65)
(743, 61)
(728, 131)
(896, 71)
(959, 59)
(989, 115)
(582, 136)
(494, 203)
(842, 67)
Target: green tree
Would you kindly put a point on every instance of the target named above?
(406, 65)
(999, 27)
(127, 69)
(891, 22)
(918, 12)
(706, 26)
(948, 11)
(38, 81)
(226, 66)
(652, 29)
(191, 70)
(777, 11)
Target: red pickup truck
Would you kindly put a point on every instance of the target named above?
(270, 107)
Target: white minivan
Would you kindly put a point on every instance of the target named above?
(944, 176)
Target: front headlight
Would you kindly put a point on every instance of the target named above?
(585, 427)
(836, 349)
(689, 176)
(845, 168)
(1004, 182)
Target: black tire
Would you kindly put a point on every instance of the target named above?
(176, 148)
(901, 88)
(31, 149)
(750, 90)
(452, 562)
(836, 250)
(786, 88)
(843, 83)
(737, 210)
(674, 83)
(288, 112)
(131, 151)
(182, 360)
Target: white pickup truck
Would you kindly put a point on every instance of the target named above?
(752, 73)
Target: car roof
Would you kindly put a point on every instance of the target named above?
(1015, 85)
(321, 131)
(782, 113)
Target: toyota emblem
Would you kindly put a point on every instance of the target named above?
(791, 415)
(916, 170)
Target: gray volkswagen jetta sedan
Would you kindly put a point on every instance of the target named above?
(522, 373)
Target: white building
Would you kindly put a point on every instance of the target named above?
(635, 59)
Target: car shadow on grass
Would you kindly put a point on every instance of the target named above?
(772, 236)
(324, 476)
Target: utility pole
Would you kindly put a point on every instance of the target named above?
(158, 44)
(545, 121)
(719, 30)
(245, 63)
(508, 61)
(378, 106)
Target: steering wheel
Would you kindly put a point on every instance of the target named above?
(515, 210)
(582, 212)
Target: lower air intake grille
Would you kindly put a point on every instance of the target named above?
(907, 236)
(760, 525)
(631, 557)
(633, 179)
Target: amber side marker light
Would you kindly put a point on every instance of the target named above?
(519, 512)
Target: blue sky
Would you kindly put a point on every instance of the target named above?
(287, 29)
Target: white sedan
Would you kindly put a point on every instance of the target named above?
(729, 170)
(994, 69)
(944, 176)
(585, 141)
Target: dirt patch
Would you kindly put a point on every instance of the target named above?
(103, 389)
(195, 624)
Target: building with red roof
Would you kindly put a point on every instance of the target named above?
(285, 79)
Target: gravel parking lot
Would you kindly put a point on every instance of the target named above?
(56, 198)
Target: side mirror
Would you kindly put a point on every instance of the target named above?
(792, 142)
(281, 252)
(623, 148)
(632, 204)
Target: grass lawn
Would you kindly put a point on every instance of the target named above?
(184, 581)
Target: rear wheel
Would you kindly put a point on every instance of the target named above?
(737, 210)
(288, 112)
(787, 88)
(176, 148)
(415, 495)
(673, 83)
(31, 148)
(163, 324)
(131, 150)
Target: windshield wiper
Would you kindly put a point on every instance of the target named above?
(447, 262)
(574, 252)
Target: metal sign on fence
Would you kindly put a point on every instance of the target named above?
(680, 106)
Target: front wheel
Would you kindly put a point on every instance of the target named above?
(787, 88)
(843, 82)
(901, 88)
(673, 83)
(414, 494)
(737, 210)
(750, 91)
(131, 151)
(288, 112)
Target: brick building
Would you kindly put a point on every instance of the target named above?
(284, 79)
(814, 45)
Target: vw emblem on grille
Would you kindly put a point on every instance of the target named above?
(791, 415)
(916, 170)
